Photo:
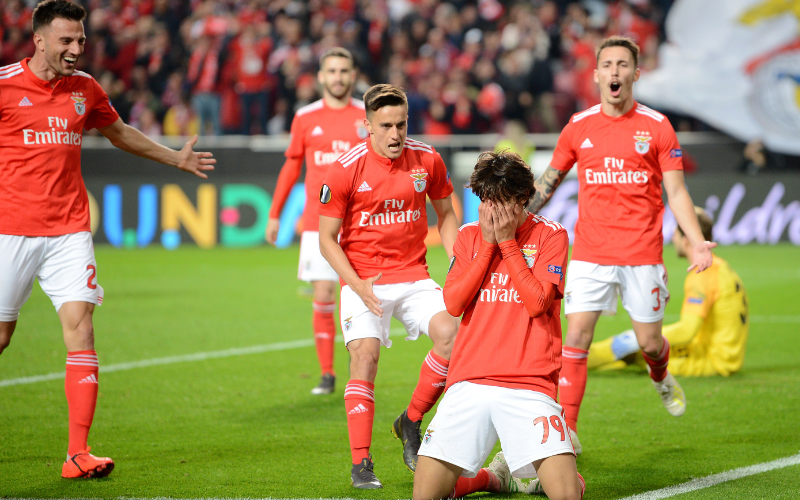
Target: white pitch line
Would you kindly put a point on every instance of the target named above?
(184, 358)
(722, 477)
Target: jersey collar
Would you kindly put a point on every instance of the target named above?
(382, 160)
(44, 84)
(627, 115)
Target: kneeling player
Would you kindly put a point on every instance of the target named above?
(506, 278)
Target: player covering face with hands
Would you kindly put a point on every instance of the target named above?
(506, 279)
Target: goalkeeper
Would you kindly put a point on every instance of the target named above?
(711, 335)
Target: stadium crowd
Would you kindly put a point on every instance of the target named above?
(179, 67)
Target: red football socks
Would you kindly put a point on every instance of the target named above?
(572, 383)
(583, 484)
(658, 365)
(324, 334)
(432, 378)
(483, 481)
(359, 403)
(80, 386)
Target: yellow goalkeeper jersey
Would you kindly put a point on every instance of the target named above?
(718, 296)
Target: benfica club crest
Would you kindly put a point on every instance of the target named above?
(80, 104)
(419, 181)
(642, 142)
(361, 130)
(529, 255)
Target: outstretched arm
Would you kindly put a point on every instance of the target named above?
(682, 207)
(133, 141)
(447, 222)
(545, 185)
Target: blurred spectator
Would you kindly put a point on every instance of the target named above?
(181, 120)
(468, 66)
(514, 140)
(757, 159)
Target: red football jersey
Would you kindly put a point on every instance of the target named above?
(498, 342)
(41, 129)
(620, 165)
(382, 206)
(322, 134)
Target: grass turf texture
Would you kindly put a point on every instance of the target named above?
(247, 426)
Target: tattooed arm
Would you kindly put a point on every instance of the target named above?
(545, 185)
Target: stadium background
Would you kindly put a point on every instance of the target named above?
(470, 68)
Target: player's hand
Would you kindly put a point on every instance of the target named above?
(486, 222)
(701, 256)
(195, 163)
(505, 220)
(271, 234)
(364, 290)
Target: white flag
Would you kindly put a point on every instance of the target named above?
(734, 64)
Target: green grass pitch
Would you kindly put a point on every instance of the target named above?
(247, 426)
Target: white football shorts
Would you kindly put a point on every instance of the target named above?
(592, 287)
(313, 266)
(471, 417)
(64, 265)
(413, 304)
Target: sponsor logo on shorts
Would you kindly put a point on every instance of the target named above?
(428, 435)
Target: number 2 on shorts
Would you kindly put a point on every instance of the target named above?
(93, 269)
(555, 422)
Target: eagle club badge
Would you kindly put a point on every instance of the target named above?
(529, 253)
(642, 142)
(361, 130)
(419, 181)
(80, 104)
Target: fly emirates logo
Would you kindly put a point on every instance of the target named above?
(393, 214)
(496, 294)
(58, 134)
(618, 176)
(338, 149)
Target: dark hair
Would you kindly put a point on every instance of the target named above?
(46, 11)
(337, 52)
(706, 224)
(619, 41)
(381, 95)
(502, 176)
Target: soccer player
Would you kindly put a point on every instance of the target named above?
(623, 151)
(506, 277)
(321, 132)
(44, 230)
(711, 335)
(375, 194)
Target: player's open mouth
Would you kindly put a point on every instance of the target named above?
(615, 88)
(395, 147)
(70, 60)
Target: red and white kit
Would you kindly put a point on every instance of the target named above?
(42, 194)
(319, 134)
(620, 161)
(503, 375)
(384, 224)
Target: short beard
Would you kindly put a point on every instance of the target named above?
(344, 93)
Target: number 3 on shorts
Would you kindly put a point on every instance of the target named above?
(89, 284)
(555, 422)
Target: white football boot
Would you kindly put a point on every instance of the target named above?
(671, 395)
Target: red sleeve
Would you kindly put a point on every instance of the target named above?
(564, 156)
(670, 156)
(290, 172)
(336, 191)
(466, 275)
(536, 295)
(441, 186)
(103, 113)
(551, 263)
(296, 147)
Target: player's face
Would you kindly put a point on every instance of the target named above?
(615, 74)
(387, 129)
(62, 43)
(337, 77)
